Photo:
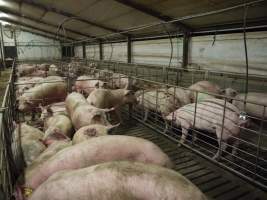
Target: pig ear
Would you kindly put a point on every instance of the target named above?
(222, 91)
(128, 92)
(90, 132)
(97, 84)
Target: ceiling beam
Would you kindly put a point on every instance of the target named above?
(66, 14)
(37, 33)
(154, 13)
(42, 22)
(34, 27)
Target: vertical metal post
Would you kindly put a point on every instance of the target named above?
(100, 50)
(84, 51)
(129, 49)
(2, 46)
(185, 49)
(16, 44)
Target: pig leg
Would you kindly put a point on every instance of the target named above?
(146, 114)
(235, 147)
(184, 135)
(221, 148)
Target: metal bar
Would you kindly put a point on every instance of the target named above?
(42, 22)
(33, 27)
(84, 51)
(2, 46)
(185, 50)
(148, 11)
(129, 49)
(101, 50)
(66, 14)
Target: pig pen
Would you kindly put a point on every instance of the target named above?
(222, 179)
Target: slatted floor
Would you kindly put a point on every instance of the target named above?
(215, 182)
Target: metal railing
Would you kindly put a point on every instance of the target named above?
(8, 170)
(248, 160)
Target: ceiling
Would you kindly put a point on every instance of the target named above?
(89, 19)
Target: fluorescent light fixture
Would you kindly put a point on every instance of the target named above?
(3, 3)
(3, 14)
(4, 23)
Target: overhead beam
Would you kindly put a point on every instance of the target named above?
(66, 14)
(42, 22)
(33, 27)
(154, 13)
(39, 34)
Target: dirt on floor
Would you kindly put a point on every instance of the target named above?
(4, 78)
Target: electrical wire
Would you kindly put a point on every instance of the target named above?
(246, 50)
(170, 61)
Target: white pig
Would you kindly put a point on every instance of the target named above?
(86, 84)
(98, 150)
(104, 98)
(88, 132)
(83, 114)
(209, 117)
(119, 181)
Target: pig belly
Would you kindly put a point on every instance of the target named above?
(122, 180)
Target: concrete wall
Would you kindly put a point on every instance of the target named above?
(33, 47)
(78, 51)
(115, 52)
(92, 52)
(158, 52)
(228, 54)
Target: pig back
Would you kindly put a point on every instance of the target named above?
(123, 180)
(98, 150)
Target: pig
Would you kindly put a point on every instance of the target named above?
(158, 101)
(88, 132)
(53, 109)
(50, 151)
(181, 94)
(57, 127)
(209, 117)
(30, 141)
(53, 70)
(43, 66)
(25, 69)
(26, 83)
(212, 89)
(259, 109)
(38, 73)
(104, 98)
(86, 84)
(98, 150)
(46, 93)
(83, 114)
(121, 81)
(122, 180)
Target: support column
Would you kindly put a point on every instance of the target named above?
(185, 49)
(129, 49)
(100, 50)
(84, 51)
(2, 46)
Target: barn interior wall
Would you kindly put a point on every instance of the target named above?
(31, 46)
(227, 53)
(222, 52)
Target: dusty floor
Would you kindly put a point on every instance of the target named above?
(4, 78)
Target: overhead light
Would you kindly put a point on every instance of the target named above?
(3, 14)
(3, 3)
(4, 23)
